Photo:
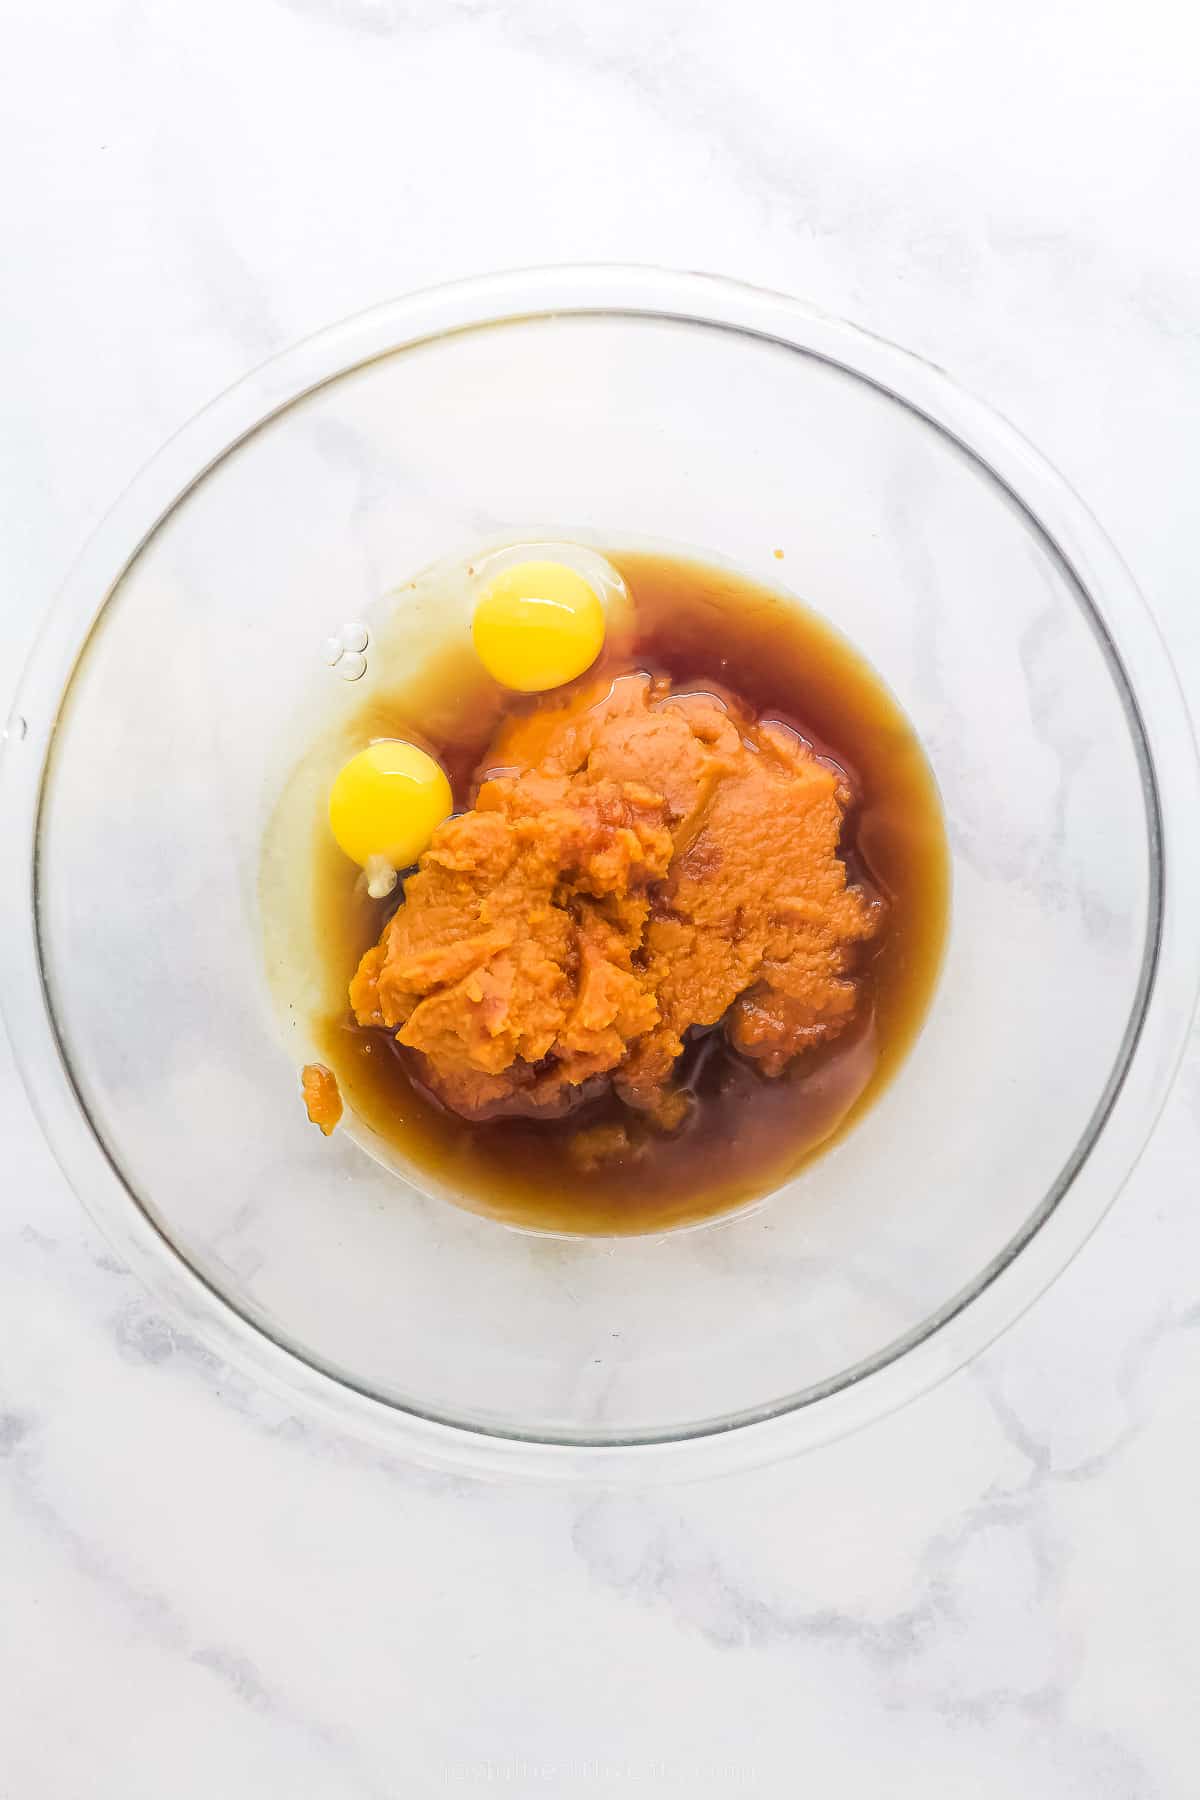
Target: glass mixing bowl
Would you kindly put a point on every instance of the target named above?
(150, 741)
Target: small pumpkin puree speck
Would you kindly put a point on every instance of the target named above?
(322, 1100)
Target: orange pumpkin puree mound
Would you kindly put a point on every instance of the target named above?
(638, 863)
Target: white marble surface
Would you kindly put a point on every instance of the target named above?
(993, 1593)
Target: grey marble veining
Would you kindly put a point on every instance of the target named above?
(991, 1593)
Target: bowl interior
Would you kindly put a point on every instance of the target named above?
(181, 722)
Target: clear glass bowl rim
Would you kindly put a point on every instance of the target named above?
(1065, 1219)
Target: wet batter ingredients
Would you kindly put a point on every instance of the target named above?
(684, 924)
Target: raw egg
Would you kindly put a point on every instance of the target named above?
(538, 625)
(384, 807)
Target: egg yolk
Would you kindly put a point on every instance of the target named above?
(386, 803)
(538, 625)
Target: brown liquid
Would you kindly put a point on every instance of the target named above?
(746, 1134)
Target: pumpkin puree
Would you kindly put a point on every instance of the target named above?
(639, 863)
